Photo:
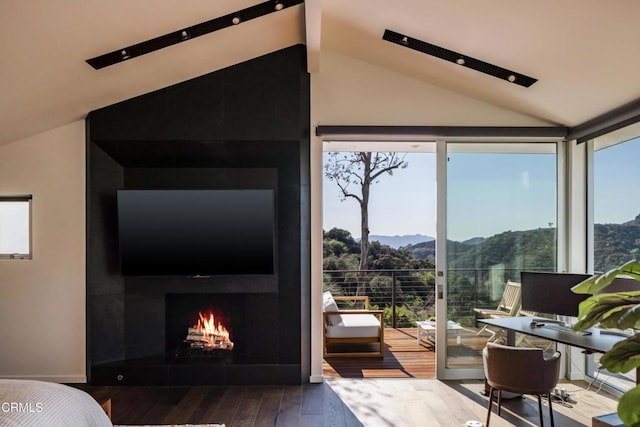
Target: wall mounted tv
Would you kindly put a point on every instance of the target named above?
(196, 232)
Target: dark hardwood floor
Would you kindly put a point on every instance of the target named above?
(344, 403)
(357, 392)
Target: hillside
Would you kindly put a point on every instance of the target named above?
(615, 244)
(399, 241)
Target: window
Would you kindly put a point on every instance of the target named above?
(616, 216)
(15, 227)
(616, 210)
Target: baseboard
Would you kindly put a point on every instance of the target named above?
(67, 379)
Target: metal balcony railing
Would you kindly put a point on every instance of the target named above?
(409, 295)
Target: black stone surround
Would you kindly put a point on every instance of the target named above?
(243, 127)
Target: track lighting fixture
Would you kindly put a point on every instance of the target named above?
(458, 58)
(189, 33)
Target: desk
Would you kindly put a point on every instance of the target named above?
(596, 342)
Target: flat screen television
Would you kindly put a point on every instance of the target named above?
(551, 293)
(196, 232)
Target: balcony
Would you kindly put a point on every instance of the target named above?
(408, 296)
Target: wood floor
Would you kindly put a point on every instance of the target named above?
(343, 402)
(397, 390)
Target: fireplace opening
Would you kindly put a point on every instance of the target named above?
(209, 338)
(212, 329)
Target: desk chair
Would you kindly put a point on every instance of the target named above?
(522, 371)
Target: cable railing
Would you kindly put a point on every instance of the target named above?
(404, 295)
(408, 295)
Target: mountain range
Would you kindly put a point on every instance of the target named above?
(399, 241)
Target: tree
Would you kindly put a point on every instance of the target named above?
(361, 170)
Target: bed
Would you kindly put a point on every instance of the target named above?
(27, 403)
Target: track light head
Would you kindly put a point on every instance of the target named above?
(188, 33)
(458, 58)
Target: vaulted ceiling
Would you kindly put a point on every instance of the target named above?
(584, 53)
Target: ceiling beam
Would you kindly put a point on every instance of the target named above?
(615, 119)
(435, 132)
(313, 18)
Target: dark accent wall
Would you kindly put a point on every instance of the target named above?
(245, 126)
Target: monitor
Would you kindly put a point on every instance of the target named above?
(550, 293)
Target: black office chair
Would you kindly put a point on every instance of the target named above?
(522, 371)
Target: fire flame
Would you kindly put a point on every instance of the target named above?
(210, 329)
(208, 335)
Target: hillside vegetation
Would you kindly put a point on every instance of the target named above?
(472, 266)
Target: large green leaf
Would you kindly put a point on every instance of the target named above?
(617, 310)
(629, 408)
(600, 281)
(623, 356)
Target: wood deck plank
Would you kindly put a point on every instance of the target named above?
(403, 358)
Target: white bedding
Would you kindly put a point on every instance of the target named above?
(29, 403)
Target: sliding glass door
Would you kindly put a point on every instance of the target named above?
(500, 218)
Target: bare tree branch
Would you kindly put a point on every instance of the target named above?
(361, 169)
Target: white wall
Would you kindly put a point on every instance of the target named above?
(42, 301)
(347, 91)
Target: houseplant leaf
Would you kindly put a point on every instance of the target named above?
(628, 408)
(620, 310)
(623, 356)
(615, 310)
(595, 283)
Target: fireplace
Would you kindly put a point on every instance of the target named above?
(158, 351)
(187, 341)
(236, 128)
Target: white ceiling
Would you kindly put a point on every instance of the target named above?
(585, 53)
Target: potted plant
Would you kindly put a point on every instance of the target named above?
(620, 310)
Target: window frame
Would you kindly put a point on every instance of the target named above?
(21, 198)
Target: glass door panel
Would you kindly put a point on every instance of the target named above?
(501, 219)
(616, 215)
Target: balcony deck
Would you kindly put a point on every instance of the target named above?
(405, 358)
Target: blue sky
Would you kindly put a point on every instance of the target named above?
(400, 204)
(506, 192)
(617, 183)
